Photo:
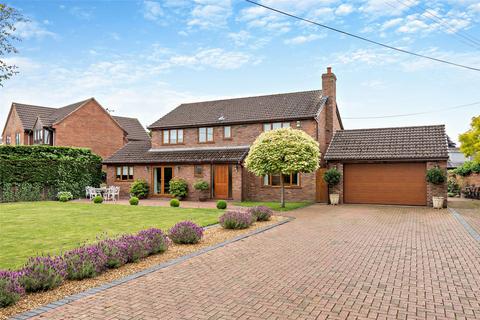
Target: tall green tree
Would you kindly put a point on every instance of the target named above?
(470, 140)
(8, 18)
(282, 152)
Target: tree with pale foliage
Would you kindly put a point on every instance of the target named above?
(283, 152)
(8, 18)
(470, 140)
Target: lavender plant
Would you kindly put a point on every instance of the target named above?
(116, 252)
(10, 288)
(235, 219)
(85, 262)
(136, 247)
(156, 241)
(186, 232)
(42, 273)
(261, 213)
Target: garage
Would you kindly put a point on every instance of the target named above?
(385, 183)
(388, 165)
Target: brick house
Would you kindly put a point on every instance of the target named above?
(209, 141)
(83, 124)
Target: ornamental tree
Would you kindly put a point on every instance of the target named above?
(9, 17)
(283, 151)
(470, 140)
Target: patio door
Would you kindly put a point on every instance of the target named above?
(161, 180)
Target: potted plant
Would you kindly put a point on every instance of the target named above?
(332, 178)
(436, 176)
(202, 187)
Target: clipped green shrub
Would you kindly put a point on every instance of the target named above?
(139, 189)
(63, 198)
(435, 175)
(201, 185)
(467, 168)
(98, 199)
(221, 204)
(332, 177)
(175, 203)
(134, 201)
(178, 188)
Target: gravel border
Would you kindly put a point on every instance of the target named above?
(465, 224)
(92, 291)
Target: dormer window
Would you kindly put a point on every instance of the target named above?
(205, 135)
(173, 136)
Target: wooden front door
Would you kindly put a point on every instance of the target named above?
(385, 183)
(322, 187)
(221, 181)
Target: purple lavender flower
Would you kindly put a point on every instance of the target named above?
(261, 213)
(156, 240)
(85, 262)
(236, 219)
(116, 252)
(42, 273)
(136, 247)
(185, 232)
(10, 288)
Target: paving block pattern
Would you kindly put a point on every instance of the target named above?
(345, 262)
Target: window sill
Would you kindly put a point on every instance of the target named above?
(286, 187)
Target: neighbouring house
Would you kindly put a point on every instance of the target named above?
(388, 165)
(83, 124)
(209, 141)
(456, 158)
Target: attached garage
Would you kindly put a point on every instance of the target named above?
(388, 165)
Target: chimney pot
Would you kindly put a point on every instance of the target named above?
(329, 69)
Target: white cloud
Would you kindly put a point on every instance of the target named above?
(344, 9)
(152, 10)
(240, 38)
(391, 23)
(210, 13)
(81, 13)
(216, 58)
(32, 29)
(303, 39)
(377, 8)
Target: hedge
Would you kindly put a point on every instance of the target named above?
(30, 173)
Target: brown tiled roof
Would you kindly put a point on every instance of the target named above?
(285, 106)
(421, 143)
(134, 128)
(138, 152)
(28, 114)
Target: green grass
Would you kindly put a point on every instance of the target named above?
(274, 205)
(31, 228)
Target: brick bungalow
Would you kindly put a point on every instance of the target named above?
(83, 124)
(209, 141)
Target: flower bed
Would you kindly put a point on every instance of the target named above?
(118, 269)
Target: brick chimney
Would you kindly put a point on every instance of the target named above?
(329, 89)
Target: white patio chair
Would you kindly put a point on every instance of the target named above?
(87, 192)
(108, 194)
(115, 193)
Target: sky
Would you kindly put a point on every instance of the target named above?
(143, 58)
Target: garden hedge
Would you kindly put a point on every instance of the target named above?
(29, 173)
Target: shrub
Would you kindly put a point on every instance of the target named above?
(186, 232)
(236, 219)
(116, 252)
(135, 247)
(261, 213)
(10, 288)
(453, 186)
(98, 199)
(178, 188)
(139, 189)
(62, 195)
(201, 185)
(174, 203)
(435, 175)
(133, 201)
(468, 168)
(85, 262)
(156, 241)
(332, 177)
(221, 204)
(43, 273)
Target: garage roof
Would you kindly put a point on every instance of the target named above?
(403, 143)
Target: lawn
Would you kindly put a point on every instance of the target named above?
(32, 228)
(274, 205)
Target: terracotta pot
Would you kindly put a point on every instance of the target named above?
(203, 196)
(334, 198)
(438, 202)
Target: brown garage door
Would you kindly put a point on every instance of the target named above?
(385, 183)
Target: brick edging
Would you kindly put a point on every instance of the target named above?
(465, 224)
(108, 285)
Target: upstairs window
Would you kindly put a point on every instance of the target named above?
(173, 136)
(205, 135)
(275, 125)
(17, 139)
(124, 173)
(8, 140)
(227, 132)
(289, 180)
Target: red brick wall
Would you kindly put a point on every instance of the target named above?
(139, 172)
(90, 127)
(13, 126)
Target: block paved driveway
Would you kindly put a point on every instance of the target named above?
(346, 262)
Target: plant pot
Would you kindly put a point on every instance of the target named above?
(334, 198)
(203, 196)
(438, 202)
